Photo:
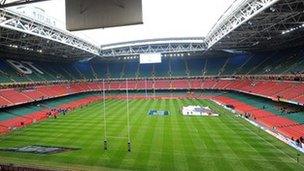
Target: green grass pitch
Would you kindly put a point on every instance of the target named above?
(171, 142)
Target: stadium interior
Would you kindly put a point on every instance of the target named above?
(252, 65)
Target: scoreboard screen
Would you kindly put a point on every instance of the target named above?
(150, 58)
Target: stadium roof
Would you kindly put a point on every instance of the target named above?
(246, 25)
(18, 31)
(162, 19)
(259, 25)
(9, 3)
(165, 45)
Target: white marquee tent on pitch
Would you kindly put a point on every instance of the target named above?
(197, 111)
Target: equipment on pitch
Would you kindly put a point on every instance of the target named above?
(198, 111)
(104, 115)
(105, 142)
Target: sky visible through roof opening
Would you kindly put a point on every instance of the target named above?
(162, 19)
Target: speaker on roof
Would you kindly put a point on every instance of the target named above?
(93, 14)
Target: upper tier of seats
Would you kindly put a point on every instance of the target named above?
(270, 63)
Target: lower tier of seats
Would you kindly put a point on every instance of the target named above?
(287, 127)
(11, 119)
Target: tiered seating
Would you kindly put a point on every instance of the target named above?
(169, 70)
(85, 69)
(300, 99)
(222, 84)
(296, 67)
(180, 84)
(115, 85)
(77, 88)
(130, 70)
(73, 72)
(131, 85)
(293, 91)
(250, 64)
(195, 83)
(285, 126)
(145, 84)
(234, 63)
(14, 96)
(54, 90)
(289, 65)
(270, 63)
(258, 87)
(214, 65)
(178, 67)
(275, 88)
(162, 84)
(162, 69)
(95, 86)
(33, 94)
(26, 115)
(11, 97)
(145, 70)
(115, 69)
(4, 102)
(228, 64)
(298, 117)
(4, 76)
(50, 71)
(196, 66)
(9, 74)
(238, 84)
(101, 69)
(208, 84)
